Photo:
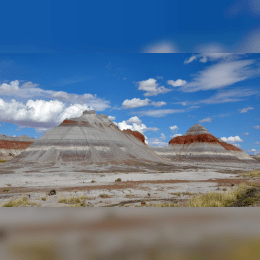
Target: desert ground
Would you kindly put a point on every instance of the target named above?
(123, 185)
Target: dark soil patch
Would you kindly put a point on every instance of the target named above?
(250, 198)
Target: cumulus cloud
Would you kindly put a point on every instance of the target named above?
(10, 89)
(257, 143)
(29, 91)
(135, 120)
(257, 126)
(39, 113)
(177, 83)
(159, 142)
(135, 102)
(254, 151)
(135, 124)
(244, 110)
(111, 118)
(174, 128)
(151, 87)
(159, 112)
(221, 75)
(73, 111)
(232, 139)
(206, 120)
(29, 84)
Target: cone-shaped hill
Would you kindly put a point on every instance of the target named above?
(197, 143)
(90, 138)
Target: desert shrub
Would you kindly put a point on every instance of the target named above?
(93, 181)
(44, 198)
(117, 180)
(4, 190)
(104, 196)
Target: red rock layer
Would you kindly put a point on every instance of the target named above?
(230, 147)
(207, 138)
(136, 134)
(14, 144)
(69, 122)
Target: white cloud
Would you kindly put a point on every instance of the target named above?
(158, 104)
(135, 127)
(135, 102)
(232, 139)
(253, 151)
(135, 120)
(244, 110)
(257, 143)
(221, 75)
(172, 136)
(246, 134)
(151, 87)
(10, 89)
(111, 118)
(210, 54)
(29, 91)
(177, 83)
(29, 84)
(159, 113)
(174, 128)
(73, 111)
(257, 126)
(159, 142)
(224, 96)
(160, 47)
(206, 120)
(39, 113)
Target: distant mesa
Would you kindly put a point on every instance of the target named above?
(136, 134)
(197, 143)
(12, 146)
(89, 138)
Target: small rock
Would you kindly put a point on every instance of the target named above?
(143, 202)
(52, 192)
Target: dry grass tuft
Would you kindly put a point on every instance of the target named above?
(22, 202)
(215, 199)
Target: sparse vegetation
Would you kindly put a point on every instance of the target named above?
(252, 174)
(105, 196)
(178, 194)
(215, 199)
(44, 198)
(93, 181)
(5, 190)
(21, 202)
(129, 196)
(252, 184)
(117, 180)
(76, 201)
(2, 161)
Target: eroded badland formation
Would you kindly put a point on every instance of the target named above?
(90, 156)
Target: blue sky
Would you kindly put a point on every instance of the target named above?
(121, 26)
(160, 95)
